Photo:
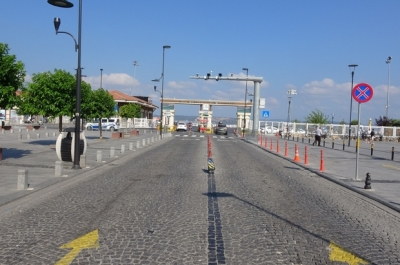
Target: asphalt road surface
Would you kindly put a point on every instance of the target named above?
(162, 207)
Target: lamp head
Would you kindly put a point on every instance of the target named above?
(156, 80)
(155, 88)
(389, 59)
(245, 69)
(57, 23)
(353, 65)
(60, 3)
(166, 47)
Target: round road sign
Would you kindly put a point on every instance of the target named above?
(362, 93)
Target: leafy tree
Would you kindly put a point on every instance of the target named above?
(130, 111)
(317, 117)
(396, 123)
(12, 74)
(296, 121)
(101, 106)
(354, 122)
(342, 122)
(383, 121)
(53, 95)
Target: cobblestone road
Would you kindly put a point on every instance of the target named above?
(163, 208)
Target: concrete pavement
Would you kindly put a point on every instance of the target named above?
(38, 157)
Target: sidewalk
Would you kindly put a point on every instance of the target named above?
(340, 165)
(38, 156)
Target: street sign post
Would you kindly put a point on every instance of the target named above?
(265, 113)
(361, 93)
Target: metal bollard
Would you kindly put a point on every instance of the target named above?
(122, 148)
(343, 145)
(98, 158)
(59, 169)
(309, 140)
(112, 151)
(368, 182)
(302, 140)
(392, 153)
(82, 161)
(324, 143)
(22, 183)
(130, 146)
(333, 143)
(372, 149)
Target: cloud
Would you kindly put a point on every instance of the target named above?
(179, 85)
(109, 80)
(28, 78)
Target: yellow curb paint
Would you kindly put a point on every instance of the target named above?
(339, 254)
(398, 168)
(90, 240)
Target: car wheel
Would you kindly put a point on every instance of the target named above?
(89, 128)
(112, 129)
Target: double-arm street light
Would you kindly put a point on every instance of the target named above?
(162, 88)
(351, 96)
(389, 59)
(245, 100)
(78, 47)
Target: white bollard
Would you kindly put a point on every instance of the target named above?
(27, 130)
(22, 179)
(152, 139)
(144, 142)
(82, 161)
(38, 135)
(122, 148)
(28, 136)
(137, 144)
(59, 169)
(12, 130)
(19, 136)
(47, 134)
(99, 158)
(112, 151)
(130, 146)
(19, 130)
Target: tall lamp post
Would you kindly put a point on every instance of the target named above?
(101, 78)
(162, 88)
(78, 47)
(333, 115)
(389, 59)
(290, 92)
(351, 96)
(245, 101)
(135, 63)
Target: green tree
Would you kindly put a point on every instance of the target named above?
(53, 95)
(296, 121)
(317, 117)
(101, 106)
(12, 74)
(354, 122)
(130, 111)
(396, 123)
(342, 122)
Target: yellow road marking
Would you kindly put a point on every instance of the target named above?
(90, 240)
(339, 254)
(398, 168)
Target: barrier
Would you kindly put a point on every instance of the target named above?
(286, 148)
(277, 146)
(296, 155)
(306, 155)
(322, 164)
(270, 147)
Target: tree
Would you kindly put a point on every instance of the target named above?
(12, 74)
(354, 122)
(53, 95)
(383, 121)
(296, 121)
(130, 111)
(316, 117)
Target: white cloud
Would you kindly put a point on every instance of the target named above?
(179, 85)
(28, 78)
(109, 80)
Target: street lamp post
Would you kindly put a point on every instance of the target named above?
(332, 117)
(290, 92)
(389, 59)
(78, 47)
(162, 88)
(135, 63)
(245, 101)
(351, 96)
(101, 78)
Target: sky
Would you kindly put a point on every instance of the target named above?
(302, 45)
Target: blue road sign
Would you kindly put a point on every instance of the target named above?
(362, 93)
(265, 114)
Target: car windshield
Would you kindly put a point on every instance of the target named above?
(181, 123)
(221, 125)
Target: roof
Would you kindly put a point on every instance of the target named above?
(122, 97)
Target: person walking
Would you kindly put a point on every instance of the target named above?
(318, 134)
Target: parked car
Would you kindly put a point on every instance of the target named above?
(270, 129)
(221, 128)
(181, 126)
(301, 131)
(110, 124)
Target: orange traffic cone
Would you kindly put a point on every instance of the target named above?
(296, 156)
(322, 164)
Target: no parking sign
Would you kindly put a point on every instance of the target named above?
(362, 93)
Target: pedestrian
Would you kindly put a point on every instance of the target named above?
(372, 136)
(318, 134)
